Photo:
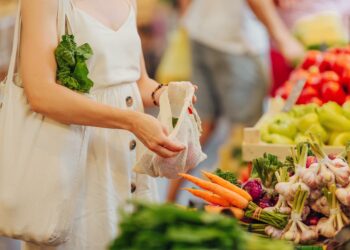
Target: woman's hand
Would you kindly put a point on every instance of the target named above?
(153, 135)
(292, 50)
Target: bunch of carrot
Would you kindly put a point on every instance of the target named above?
(220, 192)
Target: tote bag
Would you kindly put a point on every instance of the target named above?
(41, 163)
(179, 116)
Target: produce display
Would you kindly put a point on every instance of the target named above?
(169, 227)
(330, 124)
(304, 199)
(327, 76)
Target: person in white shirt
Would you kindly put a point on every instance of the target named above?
(230, 61)
(230, 64)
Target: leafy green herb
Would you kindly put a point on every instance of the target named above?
(265, 168)
(72, 71)
(229, 176)
(169, 227)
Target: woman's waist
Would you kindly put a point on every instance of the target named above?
(105, 87)
(121, 95)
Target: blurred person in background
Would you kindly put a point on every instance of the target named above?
(296, 25)
(230, 61)
(230, 64)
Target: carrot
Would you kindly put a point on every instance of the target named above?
(209, 197)
(226, 184)
(232, 197)
(237, 212)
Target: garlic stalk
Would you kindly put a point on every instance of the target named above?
(281, 206)
(337, 167)
(328, 227)
(310, 175)
(273, 232)
(289, 188)
(321, 206)
(296, 230)
(343, 195)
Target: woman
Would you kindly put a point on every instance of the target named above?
(121, 86)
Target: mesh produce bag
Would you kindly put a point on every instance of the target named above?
(182, 121)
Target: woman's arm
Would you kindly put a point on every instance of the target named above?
(147, 86)
(45, 96)
(266, 11)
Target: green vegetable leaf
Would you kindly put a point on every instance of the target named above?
(169, 227)
(228, 176)
(72, 70)
(265, 168)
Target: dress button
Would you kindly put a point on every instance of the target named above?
(132, 145)
(133, 187)
(129, 101)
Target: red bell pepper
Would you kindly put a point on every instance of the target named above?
(313, 57)
(332, 91)
(316, 100)
(327, 62)
(306, 95)
(329, 76)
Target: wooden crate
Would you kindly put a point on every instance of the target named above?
(253, 147)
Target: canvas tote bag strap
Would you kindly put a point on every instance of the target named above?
(62, 22)
(15, 45)
(63, 18)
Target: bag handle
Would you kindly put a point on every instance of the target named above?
(166, 110)
(63, 23)
(61, 30)
(15, 44)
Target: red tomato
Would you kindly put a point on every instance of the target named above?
(345, 80)
(347, 98)
(306, 95)
(314, 70)
(329, 76)
(336, 50)
(327, 62)
(316, 100)
(314, 81)
(346, 50)
(332, 91)
(341, 63)
(313, 57)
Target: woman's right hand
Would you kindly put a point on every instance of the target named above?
(292, 50)
(153, 135)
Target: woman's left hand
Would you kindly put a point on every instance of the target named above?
(194, 99)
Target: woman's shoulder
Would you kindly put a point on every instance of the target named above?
(37, 6)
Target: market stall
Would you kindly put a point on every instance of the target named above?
(297, 192)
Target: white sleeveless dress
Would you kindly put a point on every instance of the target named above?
(109, 180)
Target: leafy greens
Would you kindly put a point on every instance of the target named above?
(226, 175)
(265, 168)
(169, 227)
(72, 71)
